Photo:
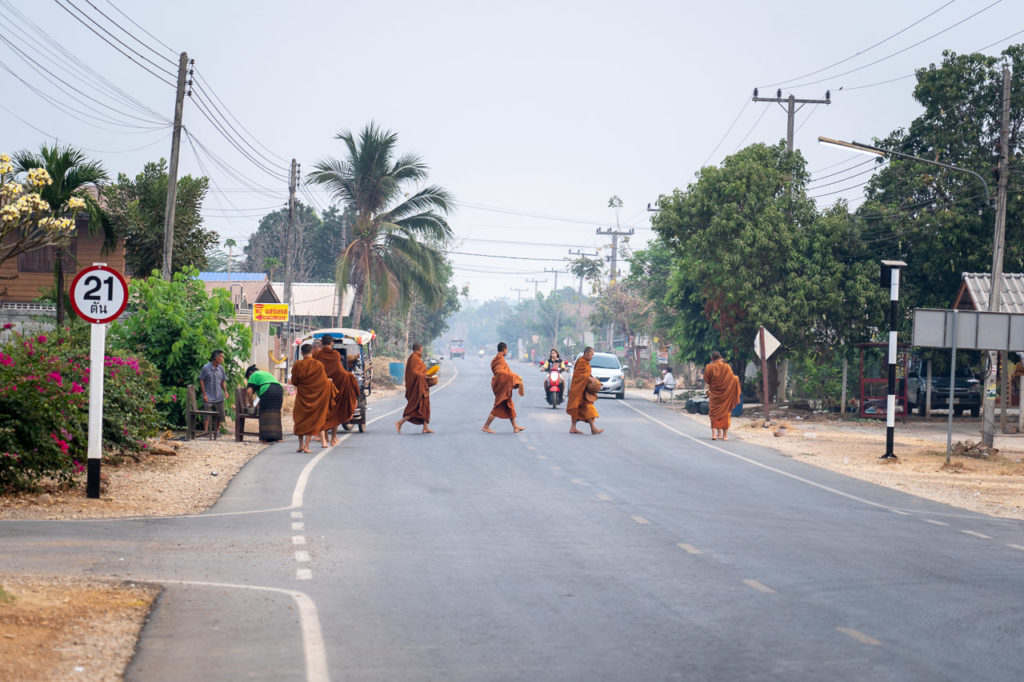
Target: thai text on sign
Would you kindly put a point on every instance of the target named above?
(270, 312)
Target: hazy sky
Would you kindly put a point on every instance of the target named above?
(532, 114)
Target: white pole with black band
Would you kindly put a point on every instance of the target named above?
(891, 278)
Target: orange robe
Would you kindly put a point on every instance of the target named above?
(723, 393)
(347, 400)
(314, 393)
(417, 391)
(503, 383)
(581, 404)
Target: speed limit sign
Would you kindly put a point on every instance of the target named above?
(99, 294)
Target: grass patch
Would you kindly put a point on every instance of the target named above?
(5, 597)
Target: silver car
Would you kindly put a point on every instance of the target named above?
(606, 367)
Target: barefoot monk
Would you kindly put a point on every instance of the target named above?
(723, 395)
(580, 405)
(503, 382)
(417, 392)
(347, 399)
(314, 393)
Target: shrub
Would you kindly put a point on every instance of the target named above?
(176, 325)
(44, 406)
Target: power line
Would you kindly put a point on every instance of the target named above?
(866, 49)
(207, 95)
(746, 103)
(122, 52)
(201, 106)
(201, 82)
(129, 34)
(740, 145)
(169, 49)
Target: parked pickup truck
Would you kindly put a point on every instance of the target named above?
(966, 388)
(457, 348)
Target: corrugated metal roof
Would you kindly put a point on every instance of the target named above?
(235, 277)
(974, 292)
(315, 298)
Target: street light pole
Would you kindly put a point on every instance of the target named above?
(988, 419)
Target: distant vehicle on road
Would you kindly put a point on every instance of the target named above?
(606, 367)
(457, 348)
(966, 388)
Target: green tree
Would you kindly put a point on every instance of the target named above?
(72, 175)
(394, 251)
(269, 239)
(138, 207)
(935, 219)
(586, 269)
(176, 325)
(271, 265)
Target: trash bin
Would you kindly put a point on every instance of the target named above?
(397, 372)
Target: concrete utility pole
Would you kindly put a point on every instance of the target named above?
(172, 172)
(582, 254)
(998, 241)
(791, 109)
(519, 294)
(615, 234)
(535, 282)
(289, 238)
(555, 272)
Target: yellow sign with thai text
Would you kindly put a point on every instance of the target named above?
(270, 312)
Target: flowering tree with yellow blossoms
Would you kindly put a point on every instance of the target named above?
(27, 221)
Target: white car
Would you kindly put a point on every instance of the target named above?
(606, 367)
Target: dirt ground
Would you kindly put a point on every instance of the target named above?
(47, 623)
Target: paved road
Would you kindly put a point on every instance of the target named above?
(645, 553)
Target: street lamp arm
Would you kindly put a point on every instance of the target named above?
(870, 149)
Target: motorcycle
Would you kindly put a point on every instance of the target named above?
(554, 384)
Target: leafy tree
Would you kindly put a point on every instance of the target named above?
(138, 207)
(394, 251)
(586, 269)
(270, 238)
(72, 174)
(176, 326)
(935, 219)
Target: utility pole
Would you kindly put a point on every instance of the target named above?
(172, 173)
(555, 272)
(519, 294)
(791, 109)
(289, 255)
(998, 240)
(535, 282)
(582, 254)
(615, 234)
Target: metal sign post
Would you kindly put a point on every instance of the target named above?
(98, 295)
(764, 346)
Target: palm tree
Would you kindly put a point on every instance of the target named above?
(72, 172)
(394, 251)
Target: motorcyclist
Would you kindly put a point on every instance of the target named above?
(554, 361)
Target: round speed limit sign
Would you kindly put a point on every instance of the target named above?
(99, 294)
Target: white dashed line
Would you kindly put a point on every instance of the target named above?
(296, 515)
(936, 523)
(1012, 546)
(603, 497)
(298, 525)
(758, 585)
(860, 636)
(298, 539)
(688, 548)
(639, 519)
(556, 468)
(976, 534)
(303, 574)
(901, 513)
(576, 481)
(302, 556)
(542, 456)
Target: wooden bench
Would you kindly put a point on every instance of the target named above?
(192, 413)
(244, 411)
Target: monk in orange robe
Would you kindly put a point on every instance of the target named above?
(503, 383)
(723, 395)
(314, 393)
(417, 392)
(580, 405)
(347, 399)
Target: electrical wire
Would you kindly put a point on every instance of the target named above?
(121, 12)
(131, 35)
(494, 255)
(898, 52)
(849, 177)
(201, 93)
(746, 102)
(201, 106)
(740, 145)
(227, 168)
(122, 52)
(845, 170)
(202, 83)
(866, 49)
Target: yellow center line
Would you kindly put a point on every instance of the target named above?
(860, 636)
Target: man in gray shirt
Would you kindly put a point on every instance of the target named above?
(213, 383)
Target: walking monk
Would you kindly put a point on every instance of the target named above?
(503, 383)
(723, 395)
(581, 401)
(417, 392)
(347, 399)
(314, 393)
